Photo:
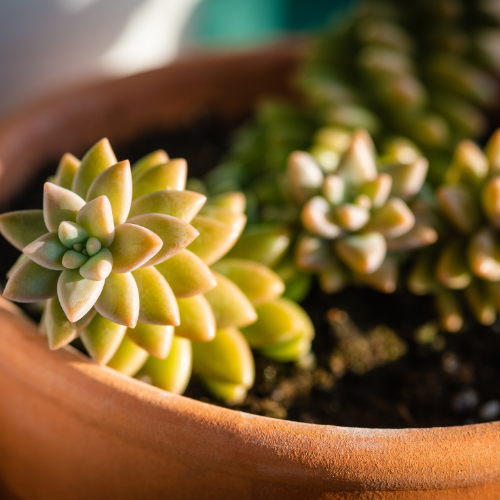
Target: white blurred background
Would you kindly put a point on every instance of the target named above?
(46, 45)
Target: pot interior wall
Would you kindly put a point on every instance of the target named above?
(226, 86)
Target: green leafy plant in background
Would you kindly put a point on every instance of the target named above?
(130, 262)
(417, 76)
(463, 268)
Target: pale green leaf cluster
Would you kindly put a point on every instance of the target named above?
(353, 208)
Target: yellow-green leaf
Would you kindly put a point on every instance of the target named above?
(47, 251)
(259, 283)
(60, 331)
(59, 205)
(77, 294)
(174, 233)
(119, 300)
(157, 301)
(214, 241)
(96, 217)
(102, 338)
(66, 171)
(96, 160)
(227, 358)
(22, 227)
(181, 204)
(230, 305)
(31, 283)
(171, 374)
(197, 321)
(187, 274)
(155, 339)
(171, 175)
(116, 184)
(129, 358)
(132, 247)
(153, 159)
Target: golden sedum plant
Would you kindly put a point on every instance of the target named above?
(464, 266)
(163, 300)
(354, 210)
(91, 253)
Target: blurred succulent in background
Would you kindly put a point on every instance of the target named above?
(419, 71)
(354, 211)
(464, 266)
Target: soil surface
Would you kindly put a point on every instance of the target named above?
(379, 360)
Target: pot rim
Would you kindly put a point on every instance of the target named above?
(242, 444)
(311, 455)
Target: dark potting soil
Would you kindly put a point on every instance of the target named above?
(378, 360)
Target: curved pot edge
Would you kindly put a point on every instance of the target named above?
(241, 444)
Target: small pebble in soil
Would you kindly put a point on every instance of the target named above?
(465, 400)
(489, 411)
(451, 363)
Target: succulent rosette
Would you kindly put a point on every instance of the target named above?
(354, 211)
(90, 253)
(463, 268)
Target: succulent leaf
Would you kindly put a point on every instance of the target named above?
(363, 253)
(449, 310)
(157, 301)
(116, 184)
(60, 331)
(290, 350)
(230, 305)
(96, 160)
(407, 180)
(263, 244)
(392, 220)
(77, 295)
(66, 171)
(151, 160)
(226, 358)
(129, 358)
(317, 219)
(197, 321)
(70, 233)
(47, 251)
(484, 255)
(452, 270)
(235, 202)
(187, 274)
(102, 338)
(181, 204)
(214, 241)
(357, 166)
(305, 177)
(259, 283)
(155, 339)
(173, 373)
(378, 190)
(31, 283)
(98, 267)
(22, 227)
(226, 391)
(235, 221)
(132, 247)
(119, 300)
(171, 175)
(59, 205)
(174, 233)
(278, 321)
(459, 206)
(96, 217)
(490, 199)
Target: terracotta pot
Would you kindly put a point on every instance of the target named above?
(72, 430)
